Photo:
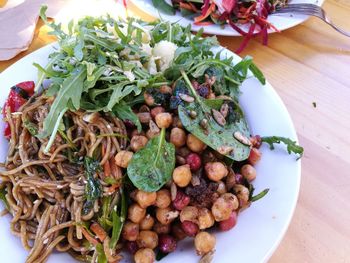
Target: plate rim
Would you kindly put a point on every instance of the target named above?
(213, 29)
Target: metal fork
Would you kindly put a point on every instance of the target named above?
(311, 10)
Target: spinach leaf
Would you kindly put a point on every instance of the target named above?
(291, 145)
(152, 167)
(163, 7)
(220, 138)
(93, 188)
(3, 198)
(124, 112)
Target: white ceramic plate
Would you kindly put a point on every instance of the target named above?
(259, 229)
(281, 22)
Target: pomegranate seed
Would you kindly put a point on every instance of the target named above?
(181, 200)
(194, 161)
(190, 228)
(229, 223)
(166, 243)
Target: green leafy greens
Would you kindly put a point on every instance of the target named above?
(93, 189)
(214, 135)
(152, 166)
(3, 198)
(291, 145)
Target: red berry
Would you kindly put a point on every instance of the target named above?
(181, 200)
(229, 223)
(190, 228)
(132, 246)
(254, 156)
(166, 243)
(194, 161)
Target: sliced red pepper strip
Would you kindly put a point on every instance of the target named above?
(202, 17)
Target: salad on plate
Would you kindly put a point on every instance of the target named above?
(133, 139)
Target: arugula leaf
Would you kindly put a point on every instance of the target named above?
(124, 112)
(152, 166)
(3, 193)
(93, 189)
(164, 7)
(218, 137)
(69, 94)
(291, 145)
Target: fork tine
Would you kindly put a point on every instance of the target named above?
(308, 9)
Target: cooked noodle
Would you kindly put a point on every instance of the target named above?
(46, 191)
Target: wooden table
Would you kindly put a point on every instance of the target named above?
(309, 66)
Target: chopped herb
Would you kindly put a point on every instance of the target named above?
(93, 188)
(3, 193)
(259, 195)
(291, 145)
(31, 127)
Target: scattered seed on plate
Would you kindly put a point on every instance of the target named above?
(186, 97)
(241, 138)
(225, 149)
(218, 117)
(193, 114)
(204, 124)
(224, 110)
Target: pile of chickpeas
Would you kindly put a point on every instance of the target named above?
(156, 221)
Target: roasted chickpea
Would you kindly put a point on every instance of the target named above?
(123, 158)
(147, 239)
(223, 206)
(242, 193)
(221, 187)
(144, 117)
(147, 223)
(138, 142)
(166, 215)
(182, 175)
(145, 199)
(177, 122)
(136, 213)
(144, 255)
(195, 144)
(178, 137)
(156, 110)
(149, 100)
(163, 199)
(204, 243)
(249, 172)
(205, 218)
(130, 231)
(215, 171)
(161, 229)
(164, 119)
(189, 213)
(165, 89)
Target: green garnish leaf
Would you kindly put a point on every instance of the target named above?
(93, 189)
(101, 256)
(219, 137)
(163, 7)
(3, 193)
(124, 112)
(152, 166)
(259, 195)
(291, 145)
(31, 127)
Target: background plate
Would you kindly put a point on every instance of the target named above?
(281, 22)
(259, 229)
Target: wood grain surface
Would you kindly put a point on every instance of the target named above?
(308, 64)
